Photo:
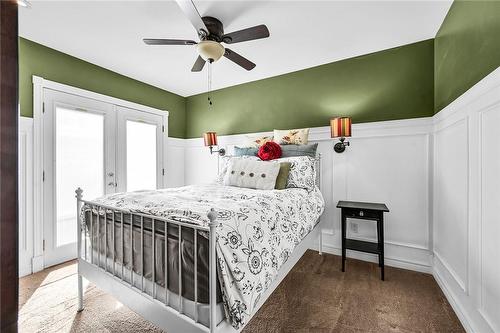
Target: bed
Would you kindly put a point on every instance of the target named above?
(227, 248)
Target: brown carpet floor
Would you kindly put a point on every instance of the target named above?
(314, 297)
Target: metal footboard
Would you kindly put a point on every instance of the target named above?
(90, 264)
(86, 253)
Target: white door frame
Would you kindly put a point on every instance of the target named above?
(25, 196)
(39, 85)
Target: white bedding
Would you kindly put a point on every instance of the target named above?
(257, 233)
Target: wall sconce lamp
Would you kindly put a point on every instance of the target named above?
(340, 127)
(210, 139)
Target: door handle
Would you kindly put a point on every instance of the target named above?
(112, 184)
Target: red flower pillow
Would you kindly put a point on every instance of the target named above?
(269, 151)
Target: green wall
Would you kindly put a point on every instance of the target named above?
(467, 48)
(391, 84)
(36, 59)
(415, 80)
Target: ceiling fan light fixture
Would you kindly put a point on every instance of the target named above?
(209, 49)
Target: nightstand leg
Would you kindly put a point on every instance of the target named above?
(382, 246)
(320, 250)
(379, 244)
(343, 222)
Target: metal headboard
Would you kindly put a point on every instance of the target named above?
(317, 160)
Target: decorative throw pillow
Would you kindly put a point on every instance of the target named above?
(291, 137)
(269, 151)
(258, 141)
(246, 151)
(224, 163)
(252, 174)
(299, 150)
(302, 172)
(282, 176)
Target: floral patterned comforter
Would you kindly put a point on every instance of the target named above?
(258, 231)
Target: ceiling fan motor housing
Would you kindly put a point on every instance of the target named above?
(215, 28)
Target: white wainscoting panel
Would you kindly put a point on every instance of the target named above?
(25, 195)
(386, 162)
(200, 166)
(175, 162)
(451, 199)
(466, 205)
(489, 216)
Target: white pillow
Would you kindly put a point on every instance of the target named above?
(298, 136)
(252, 174)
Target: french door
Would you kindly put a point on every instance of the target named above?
(139, 154)
(97, 146)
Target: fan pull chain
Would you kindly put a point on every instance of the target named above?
(209, 84)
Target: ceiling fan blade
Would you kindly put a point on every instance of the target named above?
(189, 9)
(257, 32)
(198, 64)
(238, 59)
(154, 41)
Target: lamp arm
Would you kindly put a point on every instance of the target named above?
(220, 151)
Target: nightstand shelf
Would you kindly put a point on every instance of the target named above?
(362, 246)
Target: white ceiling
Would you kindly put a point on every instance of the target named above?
(303, 34)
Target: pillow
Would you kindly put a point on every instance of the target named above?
(291, 137)
(258, 141)
(245, 151)
(299, 150)
(224, 163)
(269, 151)
(302, 172)
(252, 174)
(282, 176)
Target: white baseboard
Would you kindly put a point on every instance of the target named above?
(24, 269)
(470, 315)
(457, 307)
(37, 263)
(393, 262)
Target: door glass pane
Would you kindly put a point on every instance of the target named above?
(79, 163)
(141, 156)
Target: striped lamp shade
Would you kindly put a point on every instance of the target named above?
(210, 139)
(340, 127)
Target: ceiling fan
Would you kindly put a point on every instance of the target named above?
(211, 33)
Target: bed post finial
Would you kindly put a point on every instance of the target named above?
(79, 192)
(212, 215)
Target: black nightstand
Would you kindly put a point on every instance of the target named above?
(363, 211)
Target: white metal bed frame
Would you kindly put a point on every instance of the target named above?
(161, 313)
